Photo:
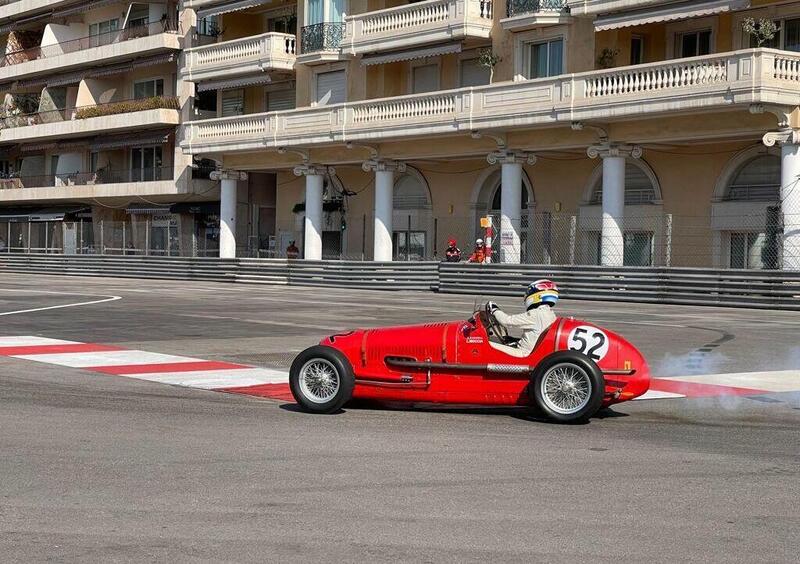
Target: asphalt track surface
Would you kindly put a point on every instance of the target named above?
(105, 468)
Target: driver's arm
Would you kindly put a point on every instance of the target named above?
(507, 320)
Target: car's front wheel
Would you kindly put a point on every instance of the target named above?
(567, 386)
(321, 379)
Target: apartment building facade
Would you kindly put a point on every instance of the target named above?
(635, 132)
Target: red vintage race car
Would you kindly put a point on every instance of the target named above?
(575, 369)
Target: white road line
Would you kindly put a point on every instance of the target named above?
(218, 379)
(29, 341)
(777, 381)
(106, 358)
(655, 394)
(62, 306)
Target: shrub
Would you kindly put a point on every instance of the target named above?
(154, 103)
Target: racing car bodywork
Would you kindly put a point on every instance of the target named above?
(575, 369)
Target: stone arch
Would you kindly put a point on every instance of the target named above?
(735, 165)
(595, 180)
(412, 216)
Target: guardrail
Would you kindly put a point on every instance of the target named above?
(689, 286)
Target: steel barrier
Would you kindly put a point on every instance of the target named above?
(769, 289)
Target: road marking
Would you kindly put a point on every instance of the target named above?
(109, 358)
(62, 306)
(31, 340)
(274, 384)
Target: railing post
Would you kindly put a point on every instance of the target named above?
(668, 241)
(147, 236)
(102, 237)
(124, 248)
(29, 237)
(573, 231)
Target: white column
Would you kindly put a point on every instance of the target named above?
(315, 182)
(789, 140)
(612, 241)
(227, 210)
(510, 202)
(384, 196)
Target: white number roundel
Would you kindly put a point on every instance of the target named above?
(588, 340)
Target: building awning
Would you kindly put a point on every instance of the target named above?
(67, 78)
(106, 143)
(234, 83)
(202, 208)
(40, 214)
(412, 54)
(146, 209)
(672, 12)
(224, 8)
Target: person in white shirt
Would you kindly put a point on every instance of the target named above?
(540, 298)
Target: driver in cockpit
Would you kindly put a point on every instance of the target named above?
(540, 298)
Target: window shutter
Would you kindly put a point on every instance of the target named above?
(280, 100)
(331, 88)
(426, 78)
(232, 103)
(473, 73)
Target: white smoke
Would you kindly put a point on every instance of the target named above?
(691, 364)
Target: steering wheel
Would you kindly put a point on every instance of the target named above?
(493, 327)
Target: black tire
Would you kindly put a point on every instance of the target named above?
(327, 358)
(584, 369)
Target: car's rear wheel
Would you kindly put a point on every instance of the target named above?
(567, 386)
(321, 379)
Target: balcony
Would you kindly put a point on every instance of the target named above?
(701, 84)
(320, 43)
(89, 120)
(104, 183)
(269, 52)
(129, 43)
(421, 23)
(18, 8)
(522, 15)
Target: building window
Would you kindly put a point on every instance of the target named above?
(277, 100)
(322, 11)
(694, 43)
(100, 33)
(94, 161)
(331, 88)
(746, 250)
(148, 88)
(787, 37)
(638, 248)
(424, 78)
(232, 102)
(637, 50)
(473, 73)
(639, 188)
(146, 164)
(545, 59)
(138, 15)
(757, 180)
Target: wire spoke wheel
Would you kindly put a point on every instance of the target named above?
(566, 388)
(319, 380)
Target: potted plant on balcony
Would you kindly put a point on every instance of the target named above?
(761, 31)
(487, 58)
(607, 58)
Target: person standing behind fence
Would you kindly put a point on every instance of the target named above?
(292, 251)
(479, 254)
(2, 245)
(453, 253)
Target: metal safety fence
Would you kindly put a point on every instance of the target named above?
(762, 239)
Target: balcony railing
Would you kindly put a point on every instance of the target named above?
(82, 43)
(418, 23)
(85, 112)
(751, 76)
(321, 37)
(269, 50)
(518, 7)
(103, 176)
